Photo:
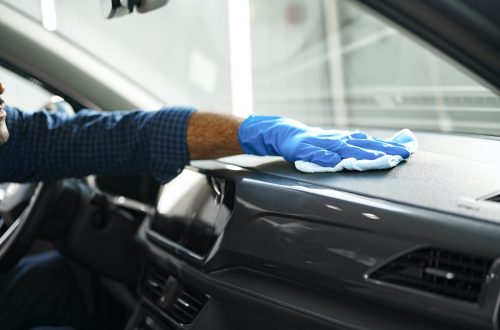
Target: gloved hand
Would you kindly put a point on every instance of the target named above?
(277, 136)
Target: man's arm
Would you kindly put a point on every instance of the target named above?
(46, 146)
(49, 146)
(212, 135)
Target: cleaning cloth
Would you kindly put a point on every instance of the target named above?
(404, 137)
(313, 149)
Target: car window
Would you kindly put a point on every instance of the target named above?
(332, 63)
(23, 93)
(328, 63)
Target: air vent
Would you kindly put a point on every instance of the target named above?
(152, 321)
(181, 302)
(153, 281)
(442, 272)
(186, 305)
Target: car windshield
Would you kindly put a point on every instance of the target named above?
(327, 63)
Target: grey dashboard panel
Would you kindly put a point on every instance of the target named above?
(287, 240)
(448, 173)
(307, 245)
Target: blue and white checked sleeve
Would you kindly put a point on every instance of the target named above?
(46, 146)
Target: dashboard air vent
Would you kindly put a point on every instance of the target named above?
(441, 272)
(153, 282)
(186, 305)
(181, 302)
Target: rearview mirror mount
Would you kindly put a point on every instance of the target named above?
(117, 8)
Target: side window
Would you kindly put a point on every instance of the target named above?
(23, 93)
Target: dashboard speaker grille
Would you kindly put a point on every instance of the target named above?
(441, 272)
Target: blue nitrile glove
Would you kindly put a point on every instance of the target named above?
(277, 136)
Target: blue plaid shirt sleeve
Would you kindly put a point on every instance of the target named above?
(47, 146)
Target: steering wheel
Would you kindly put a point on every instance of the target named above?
(23, 209)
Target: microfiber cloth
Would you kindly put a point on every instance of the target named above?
(404, 137)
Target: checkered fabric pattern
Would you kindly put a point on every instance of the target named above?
(46, 146)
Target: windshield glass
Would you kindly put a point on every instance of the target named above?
(324, 62)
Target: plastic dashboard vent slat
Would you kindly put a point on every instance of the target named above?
(153, 282)
(187, 305)
(183, 305)
(447, 273)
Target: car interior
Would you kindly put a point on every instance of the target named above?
(249, 242)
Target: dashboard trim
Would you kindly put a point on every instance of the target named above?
(171, 245)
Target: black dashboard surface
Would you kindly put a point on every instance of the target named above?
(312, 245)
(450, 173)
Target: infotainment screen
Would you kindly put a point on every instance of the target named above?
(188, 210)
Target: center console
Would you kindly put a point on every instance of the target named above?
(191, 213)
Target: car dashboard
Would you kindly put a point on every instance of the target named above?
(250, 243)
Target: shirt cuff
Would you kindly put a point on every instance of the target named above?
(169, 151)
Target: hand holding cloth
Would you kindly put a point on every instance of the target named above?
(313, 149)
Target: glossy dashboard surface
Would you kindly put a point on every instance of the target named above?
(450, 173)
(308, 243)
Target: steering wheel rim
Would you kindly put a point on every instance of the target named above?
(16, 238)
